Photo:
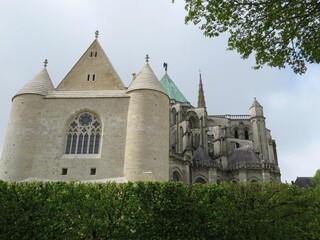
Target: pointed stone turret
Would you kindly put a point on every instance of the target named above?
(39, 85)
(24, 128)
(146, 155)
(256, 109)
(259, 132)
(201, 100)
(93, 71)
(172, 90)
(255, 103)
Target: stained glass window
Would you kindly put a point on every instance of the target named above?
(83, 135)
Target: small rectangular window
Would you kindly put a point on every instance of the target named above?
(93, 77)
(96, 54)
(93, 171)
(64, 171)
(91, 54)
(88, 78)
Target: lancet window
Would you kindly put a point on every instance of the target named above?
(176, 176)
(84, 135)
(246, 134)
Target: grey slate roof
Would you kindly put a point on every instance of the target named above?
(304, 182)
(40, 84)
(201, 159)
(146, 79)
(243, 154)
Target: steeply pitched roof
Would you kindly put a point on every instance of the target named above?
(243, 154)
(304, 182)
(93, 62)
(201, 159)
(40, 84)
(146, 79)
(172, 90)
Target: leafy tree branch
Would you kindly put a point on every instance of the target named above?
(277, 33)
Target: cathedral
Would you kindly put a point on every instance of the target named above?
(91, 127)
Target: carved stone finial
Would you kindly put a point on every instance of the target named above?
(147, 58)
(45, 63)
(97, 34)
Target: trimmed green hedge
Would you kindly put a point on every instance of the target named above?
(145, 210)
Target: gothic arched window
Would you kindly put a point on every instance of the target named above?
(176, 176)
(192, 122)
(246, 134)
(173, 117)
(181, 139)
(253, 180)
(84, 134)
(219, 181)
(210, 143)
(200, 180)
(236, 133)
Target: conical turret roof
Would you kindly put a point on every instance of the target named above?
(93, 71)
(255, 103)
(172, 90)
(40, 84)
(146, 79)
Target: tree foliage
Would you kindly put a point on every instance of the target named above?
(316, 178)
(278, 33)
(147, 210)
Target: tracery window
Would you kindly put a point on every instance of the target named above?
(83, 135)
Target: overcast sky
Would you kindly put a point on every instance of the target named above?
(61, 30)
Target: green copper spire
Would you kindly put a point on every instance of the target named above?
(172, 90)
